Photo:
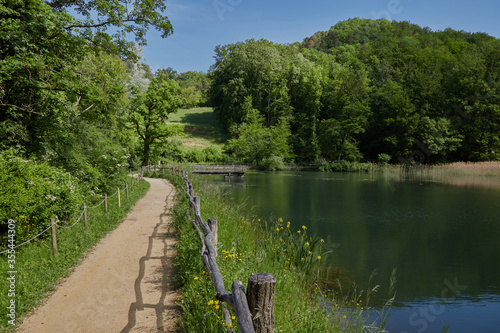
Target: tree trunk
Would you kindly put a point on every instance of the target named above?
(145, 153)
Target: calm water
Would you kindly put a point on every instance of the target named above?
(443, 239)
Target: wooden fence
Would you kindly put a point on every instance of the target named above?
(255, 309)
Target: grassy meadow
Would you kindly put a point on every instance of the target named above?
(201, 128)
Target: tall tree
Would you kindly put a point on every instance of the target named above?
(150, 111)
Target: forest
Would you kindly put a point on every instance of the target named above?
(79, 108)
(365, 90)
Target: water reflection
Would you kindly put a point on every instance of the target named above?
(436, 235)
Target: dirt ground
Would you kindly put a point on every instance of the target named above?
(126, 284)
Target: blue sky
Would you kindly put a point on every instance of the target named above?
(200, 25)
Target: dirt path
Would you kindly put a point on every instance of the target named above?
(126, 283)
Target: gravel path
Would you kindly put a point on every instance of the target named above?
(126, 283)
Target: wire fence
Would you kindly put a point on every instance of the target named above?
(139, 178)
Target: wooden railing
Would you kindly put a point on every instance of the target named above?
(255, 309)
(207, 169)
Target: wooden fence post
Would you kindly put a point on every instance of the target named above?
(260, 296)
(85, 216)
(212, 224)
(106, 203)
(197, 206)
(240, 303)
(126, 191)
(53, 233)
(119, 201)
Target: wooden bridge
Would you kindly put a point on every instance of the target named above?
(204, 169)
(227, 170)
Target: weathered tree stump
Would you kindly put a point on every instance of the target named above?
(260, 295)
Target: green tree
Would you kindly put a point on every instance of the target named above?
(255, 142)
(150, 111)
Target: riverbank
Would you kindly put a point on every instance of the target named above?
(249, 244)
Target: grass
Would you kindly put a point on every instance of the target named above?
(476, 174)
(304, 301)
(483, 169)
(38, 272)
(202, 128)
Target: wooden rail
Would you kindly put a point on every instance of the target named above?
(204, 169)
(254, 310)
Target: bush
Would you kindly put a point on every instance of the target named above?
(272, 163)
(33, 192)
(384, 159)
(346, 166)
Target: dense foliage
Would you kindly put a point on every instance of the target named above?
(369, 87)
(67, 73)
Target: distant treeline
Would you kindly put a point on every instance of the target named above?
(363, 89)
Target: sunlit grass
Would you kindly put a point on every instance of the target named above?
(202, 128)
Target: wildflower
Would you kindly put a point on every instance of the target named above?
(322, 240)
(304, 227)
(298, 231)
(233, 317)
(288, 225)
(306, 244)
(302, 259)
(319, 257)
(309, 253)
(278, 229)
(196, 278)
(280, 219)
(210, 303)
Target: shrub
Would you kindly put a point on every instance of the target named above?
(272, 163)
(346, 166)
(32, 192)
(384, 159)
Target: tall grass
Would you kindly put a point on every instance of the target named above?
(304, 302)
(38, 272)
(490, 169)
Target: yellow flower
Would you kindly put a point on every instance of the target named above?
(304, 227)
(196, 278)
(210, 303)
(278, 229)
(233, 317)
(345, 316)
(309, 253)
(322, 240)
(319, 257)
(280, 219)
(288, 225)
(306, 244)
(303, 259)
(298, 231)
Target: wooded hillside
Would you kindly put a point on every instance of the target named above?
(365, 88)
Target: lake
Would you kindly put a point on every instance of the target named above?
(442, 236)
